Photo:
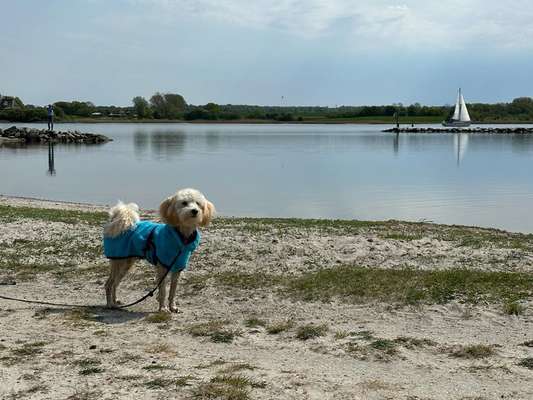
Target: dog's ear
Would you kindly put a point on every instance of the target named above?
(208, 212)
(167, 212)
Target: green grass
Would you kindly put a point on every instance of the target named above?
(409, 286)
(403, 286)
(254, 322)
(159, 383)
(10, 214)
(513, 308)
(311, 331)
(278, 327)
(215, 330)
(158, 318)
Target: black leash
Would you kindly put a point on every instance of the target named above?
(46, 303)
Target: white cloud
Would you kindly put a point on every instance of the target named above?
(407, 23)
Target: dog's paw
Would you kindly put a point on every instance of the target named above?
(174, 308)
(164, 309)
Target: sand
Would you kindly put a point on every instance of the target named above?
(369, 349)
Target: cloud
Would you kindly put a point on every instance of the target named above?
(410, 23)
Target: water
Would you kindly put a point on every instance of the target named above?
(318, 171)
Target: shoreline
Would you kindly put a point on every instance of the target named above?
(269, 308)
(258, 122)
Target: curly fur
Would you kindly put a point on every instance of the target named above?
(186, 210)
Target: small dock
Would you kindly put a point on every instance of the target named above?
(491, 130)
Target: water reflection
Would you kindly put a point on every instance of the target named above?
(460, 145)
(165, 145)
(51, 160)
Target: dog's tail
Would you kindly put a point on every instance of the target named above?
(122, 217)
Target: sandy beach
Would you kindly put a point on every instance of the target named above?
(269, 309)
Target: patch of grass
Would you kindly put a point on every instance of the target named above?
(159, 383)
(87, 362)
(10, 214)
(157, 367)
(387, 346)
(29, 349)
(409, 286)
(365, 335)
(158, 318)
(215, 330)
(513, 308)
(411, 342)
(278, 327)
(254, 322)
(405, 237)
(473, 351)
(91, 370)
(341, 335)
(217, 391)
(231, 369)
(526, 362)
(311, 331)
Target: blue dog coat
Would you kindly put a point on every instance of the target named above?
(157, 243)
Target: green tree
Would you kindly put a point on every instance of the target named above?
(168, 105)
(141, 107)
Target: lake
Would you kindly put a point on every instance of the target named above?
(311, 171)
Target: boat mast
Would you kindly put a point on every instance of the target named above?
(459, 104)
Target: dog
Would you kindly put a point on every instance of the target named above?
(168, 245)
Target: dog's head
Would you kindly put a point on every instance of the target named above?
(187, 208)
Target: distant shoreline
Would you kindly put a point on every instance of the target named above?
(257, 122)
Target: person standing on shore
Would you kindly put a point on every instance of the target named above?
(50, 113)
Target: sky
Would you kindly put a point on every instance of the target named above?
(276, 52)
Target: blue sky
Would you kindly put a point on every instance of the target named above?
(314, 52)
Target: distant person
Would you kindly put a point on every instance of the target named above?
(50, 113)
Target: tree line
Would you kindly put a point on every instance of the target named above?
(172, 106)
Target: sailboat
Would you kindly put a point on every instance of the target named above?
(460, 117)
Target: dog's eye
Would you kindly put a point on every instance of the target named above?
(183, 203)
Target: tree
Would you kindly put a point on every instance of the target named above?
(141, 107)
(168, 105)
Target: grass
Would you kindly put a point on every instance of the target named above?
(409, 286)
(158, 318)
(29, 349)
(91, 371)
(254, 322)
(311, 331)
(227, 387)
(526, 362)
(386, 346)
(159, 383)
(473, 351)
(278, 327)
(411, 342)
(513, 308)
(214, 330)
(11, 214)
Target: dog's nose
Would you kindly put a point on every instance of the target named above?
(194, 212)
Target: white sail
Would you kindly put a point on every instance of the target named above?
(456, 112)
(464, 116)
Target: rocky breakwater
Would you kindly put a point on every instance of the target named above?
(33, 135)
(503, 130)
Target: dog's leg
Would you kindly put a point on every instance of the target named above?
(172, 293)
(162, 293)
(123, 269)
(109, 285)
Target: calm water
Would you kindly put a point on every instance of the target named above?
(323, 171)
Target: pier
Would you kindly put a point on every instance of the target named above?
(491, 130)
(32, 135)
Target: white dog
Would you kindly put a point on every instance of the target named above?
(168, 246)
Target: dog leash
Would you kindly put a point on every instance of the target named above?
(46, 303)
